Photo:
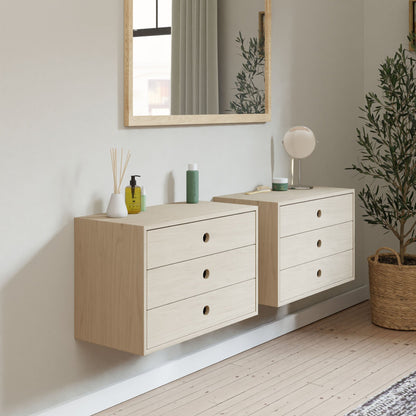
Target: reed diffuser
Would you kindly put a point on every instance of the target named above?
(117, 206)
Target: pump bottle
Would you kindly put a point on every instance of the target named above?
(133, 196)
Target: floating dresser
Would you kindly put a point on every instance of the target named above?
(166, 275)
(306, 241)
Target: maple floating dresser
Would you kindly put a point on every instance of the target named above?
(166, 275)
(306, 241)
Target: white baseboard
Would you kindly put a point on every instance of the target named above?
(120, 392)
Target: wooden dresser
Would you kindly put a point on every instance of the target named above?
(306, 241)
(165, 275)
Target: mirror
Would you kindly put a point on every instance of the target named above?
(191, 62)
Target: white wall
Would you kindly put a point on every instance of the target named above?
(61, 77)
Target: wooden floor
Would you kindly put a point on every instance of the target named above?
(324, 369)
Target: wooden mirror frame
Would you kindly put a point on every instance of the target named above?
(412, 23)
(182, 120)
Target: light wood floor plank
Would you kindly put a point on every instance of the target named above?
(220, 391)
(372, 393)
(330, 357)
(320, 385)
(312, 367)
(324, 369)
(176, 396)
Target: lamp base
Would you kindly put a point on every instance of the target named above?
(300, 187)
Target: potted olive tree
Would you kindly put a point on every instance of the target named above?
(387, 143)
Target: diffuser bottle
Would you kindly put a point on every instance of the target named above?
(133, 196)
(192, 184)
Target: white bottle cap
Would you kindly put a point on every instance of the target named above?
(280, 180)
(192, 166)
(143, 190)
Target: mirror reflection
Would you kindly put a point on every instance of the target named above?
(197, 57)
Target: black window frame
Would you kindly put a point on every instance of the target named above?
(153, 31)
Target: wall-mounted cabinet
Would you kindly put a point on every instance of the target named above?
(164, 276)
(306, 241)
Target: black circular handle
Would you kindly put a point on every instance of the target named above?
(205, 238)
(205, 310)
(319, 243)
(319, 213)
(205, 274)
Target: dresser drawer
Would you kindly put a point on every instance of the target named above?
(310, 278)
(186, 279)
(303, 248)
(187, 241)
(193, 316)
(311, 215)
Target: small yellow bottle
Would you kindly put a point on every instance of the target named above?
(133, 196)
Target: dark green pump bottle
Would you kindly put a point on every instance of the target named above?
(192, 184)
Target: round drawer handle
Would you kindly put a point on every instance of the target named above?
(319, 243)
(205, 274)
(205, 238)
(205, 310)
(319, 213)
(319, 273)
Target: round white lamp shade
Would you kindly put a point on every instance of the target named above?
(299, 142)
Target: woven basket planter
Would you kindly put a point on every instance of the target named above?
(392, 293)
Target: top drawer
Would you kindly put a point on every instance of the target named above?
(311, 215)
(187, 241)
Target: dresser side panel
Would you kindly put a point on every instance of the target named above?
(109, 284)
(267, 240)
(268, 253)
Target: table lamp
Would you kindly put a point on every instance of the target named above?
(299, 142)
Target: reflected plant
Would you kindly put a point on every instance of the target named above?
(250, 99)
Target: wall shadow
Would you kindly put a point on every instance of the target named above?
(42, 365)
(169, 194)
(39, 356)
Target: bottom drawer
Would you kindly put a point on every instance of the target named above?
(194, 316)
(310, 278)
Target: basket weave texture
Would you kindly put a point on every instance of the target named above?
(392, 293)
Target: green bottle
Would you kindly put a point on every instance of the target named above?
(192, 184)
(143, 200)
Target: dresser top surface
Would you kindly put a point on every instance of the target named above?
(287, 197)
(177, 213)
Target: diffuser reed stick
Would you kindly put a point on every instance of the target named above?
(118, 171)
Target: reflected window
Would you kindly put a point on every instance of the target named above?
(152, 57)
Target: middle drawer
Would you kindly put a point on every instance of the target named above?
(183, 280)
(305, 247)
